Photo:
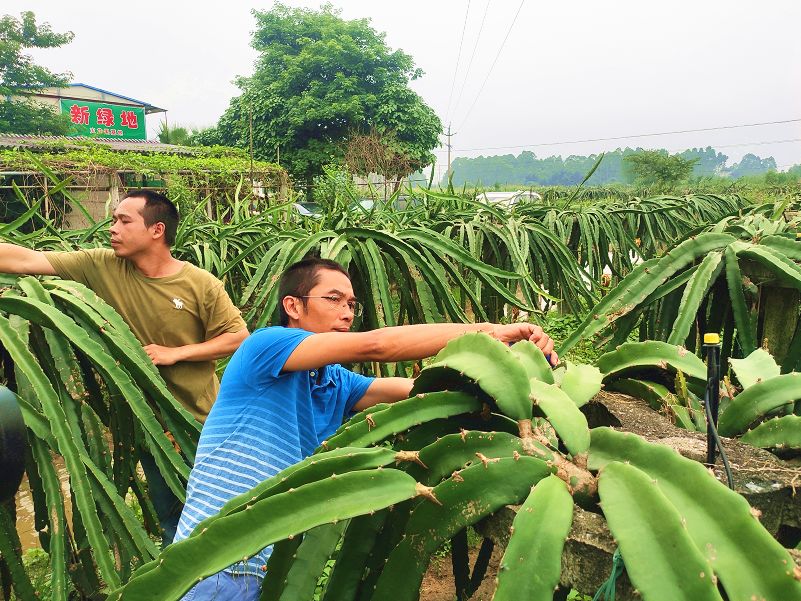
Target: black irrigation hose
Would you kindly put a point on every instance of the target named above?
(711, 429)
(711, 400)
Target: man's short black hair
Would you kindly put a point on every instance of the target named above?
(158, 208)
(299, 278)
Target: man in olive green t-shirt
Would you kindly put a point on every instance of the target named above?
(172, 312)
(179, 312)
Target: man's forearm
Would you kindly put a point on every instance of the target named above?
(17, 259)
(223, 345)
(210, 350)
(408, 343)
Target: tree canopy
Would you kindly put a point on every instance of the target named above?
(318, 81)
(751, 164)
(19, 76)
(657, 167)
(527, 169)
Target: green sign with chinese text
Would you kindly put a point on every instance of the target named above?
(99, 120)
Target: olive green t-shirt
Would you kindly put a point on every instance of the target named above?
(186, 308)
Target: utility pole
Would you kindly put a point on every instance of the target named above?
(449, 134)
(250, 131)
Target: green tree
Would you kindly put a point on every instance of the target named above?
(319, 79)
(710, 162)
(751, 164)
(658, 168)
(20, 76)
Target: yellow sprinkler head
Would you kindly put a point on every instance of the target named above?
(712, 338)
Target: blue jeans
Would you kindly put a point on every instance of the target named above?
(168, 507)
(226, 587)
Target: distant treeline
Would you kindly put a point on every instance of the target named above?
(526, 169)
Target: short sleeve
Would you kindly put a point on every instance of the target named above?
(354, 384)
(267, 350)
(222, 316)
(76, 265)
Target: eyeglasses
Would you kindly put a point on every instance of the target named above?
(337, 301)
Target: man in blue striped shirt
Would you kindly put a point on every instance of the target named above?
(284, 392)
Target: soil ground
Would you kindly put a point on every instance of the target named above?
(438, 581)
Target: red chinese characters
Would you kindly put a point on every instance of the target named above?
(128, 119)
(105, 117)
(79, 114)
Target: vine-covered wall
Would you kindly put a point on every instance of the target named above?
(98, 174)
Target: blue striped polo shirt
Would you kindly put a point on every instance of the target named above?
(262, 422)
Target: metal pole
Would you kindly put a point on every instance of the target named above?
(449, 134)
(712, 394)
(250, 128)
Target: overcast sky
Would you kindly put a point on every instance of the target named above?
(569, 71)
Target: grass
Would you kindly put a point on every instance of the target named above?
(559, 327)
(37, 566)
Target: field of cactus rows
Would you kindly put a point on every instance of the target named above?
(487, 426)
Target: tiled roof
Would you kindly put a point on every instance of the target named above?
(34, 143)
(149, 108)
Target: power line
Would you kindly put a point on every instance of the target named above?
(472, 56)
(758, 143)
(458, 58)
(481, 89)
(663, 133)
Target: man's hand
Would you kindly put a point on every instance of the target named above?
(223, 345)
(514, 332)
(163, 355)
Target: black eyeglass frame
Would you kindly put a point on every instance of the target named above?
(357, 309)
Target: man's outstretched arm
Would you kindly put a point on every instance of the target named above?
(403, 343)
(17, 259)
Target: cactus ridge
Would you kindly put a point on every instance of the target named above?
(456, 451)
(748, 561)
(581, 382)
(66, 443)
(361, 416)
(401, 416)
(563, 414)
(757, 400)
(645, 524)
(245, 533)
(318, 546)
(655, 394)
(477, 491)
(183, 426)
(533, 361)
(428, 432)
(642, 281)
(57, 546)
(116, 378)
(756, 367)
(490, 364)
(697, 288)
(782, 267)
(787, 247)
(532, 563)
(742, 317)
(777, 433)
(310, 469)
(277, 568)
(633, 356)
(360, 540)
